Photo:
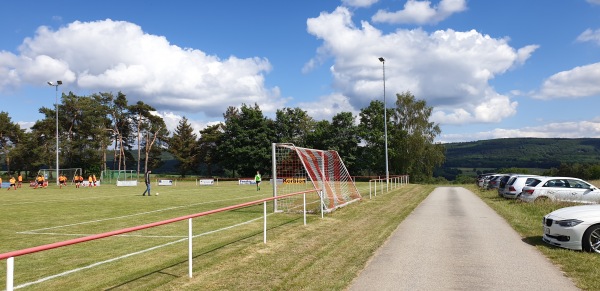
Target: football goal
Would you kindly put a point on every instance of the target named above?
(126, 178)
(298, 169)
(119, 177)
(50, 174)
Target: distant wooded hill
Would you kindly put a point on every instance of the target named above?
(522, 153)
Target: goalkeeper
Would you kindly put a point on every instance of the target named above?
(257, 179)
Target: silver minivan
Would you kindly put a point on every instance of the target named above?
(515, 185)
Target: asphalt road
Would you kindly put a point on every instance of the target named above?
(454, 241)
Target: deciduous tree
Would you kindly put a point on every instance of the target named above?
(412, 148)
(247, 139)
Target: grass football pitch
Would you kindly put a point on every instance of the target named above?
(148, 259)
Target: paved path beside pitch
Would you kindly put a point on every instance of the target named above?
(454, 241)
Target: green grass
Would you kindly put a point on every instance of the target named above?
(326, 254)
(526, 219)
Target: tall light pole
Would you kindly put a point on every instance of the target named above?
(58, 83)
(387, 171)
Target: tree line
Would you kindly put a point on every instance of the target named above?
(91, 127)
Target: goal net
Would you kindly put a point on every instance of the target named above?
(298, 169)
(50, 174)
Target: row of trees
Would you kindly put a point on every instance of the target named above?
(241, 145)
(87, 127)
(91, 125)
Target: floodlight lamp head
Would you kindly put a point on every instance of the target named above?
(59, 82)
(50, 83)
(382, 60)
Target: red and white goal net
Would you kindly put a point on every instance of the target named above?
(299, 169)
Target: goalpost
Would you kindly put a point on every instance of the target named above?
(298, 169)
(50, 174)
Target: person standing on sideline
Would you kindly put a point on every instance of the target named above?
(257, 179)
(19, 181)
(12, 182)
(0, 182)
(147, 181)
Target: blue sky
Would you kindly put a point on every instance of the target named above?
(490, 69)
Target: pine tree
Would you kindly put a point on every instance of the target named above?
(184, 146)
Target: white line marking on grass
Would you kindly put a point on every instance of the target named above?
(129, 255)
(131, 215)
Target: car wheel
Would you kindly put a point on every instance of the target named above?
(541, 199)
(591, 239)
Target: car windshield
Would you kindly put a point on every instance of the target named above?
(532, 182)
(511, 181)
(529, 181)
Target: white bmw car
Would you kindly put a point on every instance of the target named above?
(575, 227)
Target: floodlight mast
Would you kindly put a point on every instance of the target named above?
(387, 172)
(58, 83)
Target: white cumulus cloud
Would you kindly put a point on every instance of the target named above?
(575, 83)
(115, 56)
(449, 69)
(421, 12)
(172, 119)
(328, 106)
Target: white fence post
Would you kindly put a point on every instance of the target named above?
(190, 255)
(265, 222)
(304, 207)
(10, 271)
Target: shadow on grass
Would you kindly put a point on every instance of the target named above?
(534, 241)
(163, 270)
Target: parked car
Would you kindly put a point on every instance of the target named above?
(502, 183)
(494, 182)
(515, 185)
(575, 227)
(504, 179)
(481, 178)
(560, 189)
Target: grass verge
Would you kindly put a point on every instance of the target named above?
(327, 254)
